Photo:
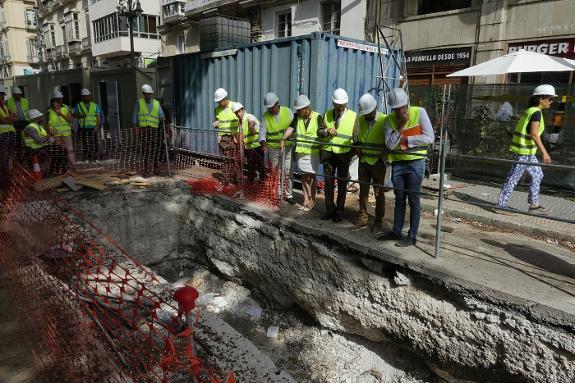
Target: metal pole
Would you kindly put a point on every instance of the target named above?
(167, 150)
(131, 20)
(441, 178)
(282, 176)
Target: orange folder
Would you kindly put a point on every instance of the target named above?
(413, 131)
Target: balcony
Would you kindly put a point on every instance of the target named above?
(75, 47)
(61, 52)
(33, 60)
(86, 44)
(173, 10)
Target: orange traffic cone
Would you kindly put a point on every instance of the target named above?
(36, 171)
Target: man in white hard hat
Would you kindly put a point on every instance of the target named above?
(275, 122)
(20, 107)
(148, 119)
(250, 128)
(36, 140)
(226, 124)
(524, 145)
(408, 133)
(337, 133)
(90, 117)
(59, 126)
(369, 134)
(7, 143)
(305, 126)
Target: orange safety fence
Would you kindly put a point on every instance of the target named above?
(92, 312)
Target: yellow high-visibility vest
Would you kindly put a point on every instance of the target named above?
(61, 126)
(148, 118)
(344, 135)
(5, 128)
(415, 153)
(303, 135)
(275, 129)
(522, 142)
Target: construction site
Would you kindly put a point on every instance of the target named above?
(110, 276)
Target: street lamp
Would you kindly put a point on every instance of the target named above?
(131, 11)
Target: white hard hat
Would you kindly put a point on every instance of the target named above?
(16, 90)
(57, 94)
(2, 89)
(146, 88)
(34, 113)
(237, 106)
(220, 94)
(367, 104)
(544, 90)
(396, 98)
(85, 92)
(301, 102)
(270, 99)
(340, 96)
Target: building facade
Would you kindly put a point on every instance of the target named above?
(440, 37)
(111, 37)
(181, 20)
(18, 44)
(64, 34)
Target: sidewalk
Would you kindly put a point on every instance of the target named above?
(457, 206)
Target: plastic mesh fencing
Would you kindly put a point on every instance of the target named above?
(92, 313)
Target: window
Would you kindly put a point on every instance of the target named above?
(431, 6)
(284, 24)
(49, 35)
(30, 18)
(32, 48)
(331, 16)
(112, 26)
(174, 9)
(180, 43)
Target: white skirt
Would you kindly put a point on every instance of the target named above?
(308, 163)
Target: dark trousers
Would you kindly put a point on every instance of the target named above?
(371, 174)
(151, 141)
(255, 162)
(52, 159)
(407, 177)
(19, 145)
(7, 148)
(231, 166)
(89, 142)
(335, 165)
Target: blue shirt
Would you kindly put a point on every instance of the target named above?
(150, 106)
(98, 112)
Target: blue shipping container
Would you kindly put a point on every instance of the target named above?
(315, 65)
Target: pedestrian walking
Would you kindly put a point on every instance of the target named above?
(305, 126)
(59, 126)
(226, 124)
(275, 122)
(19, 106)
(369, 135)
(90, 116)
(408, 133)
(337, 133)
(148, 118)
(250, 128)
(524, 145)
(7, 143)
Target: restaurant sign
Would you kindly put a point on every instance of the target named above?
(446, 57)
(560, 48)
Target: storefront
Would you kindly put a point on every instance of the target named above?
(561, 48)
(429, 67)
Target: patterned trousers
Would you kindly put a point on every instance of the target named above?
(517, 170)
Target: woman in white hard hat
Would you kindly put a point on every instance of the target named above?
(306, 126)
(59, 125)
(524, 145)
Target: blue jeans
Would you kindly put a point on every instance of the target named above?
(407, 177)
(7, 147)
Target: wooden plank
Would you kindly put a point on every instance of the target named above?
(71, 183)
(49, 183)
(98, 185)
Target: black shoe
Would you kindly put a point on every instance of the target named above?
(337, 218)
(327, 217)
(390, 236)
(290, 201)
(406, 242)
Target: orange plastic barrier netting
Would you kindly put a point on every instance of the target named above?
(92, 313)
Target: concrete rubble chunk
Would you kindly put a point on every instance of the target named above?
(401, 279)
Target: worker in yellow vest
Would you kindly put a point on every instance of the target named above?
(89, 116)
(7, 143)
(20, 107)
(275, 122)
(524, 145)
(336, 153)
(307, 146)
(59, 125)
(408, 133)
(148, 118)
(226, 124)
(36, 140)
(250, 129)
(369, 135)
